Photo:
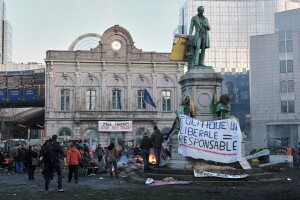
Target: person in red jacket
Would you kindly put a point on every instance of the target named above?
(73, 159)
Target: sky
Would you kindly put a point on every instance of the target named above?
(41, 25)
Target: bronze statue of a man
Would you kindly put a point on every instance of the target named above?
(201, 39)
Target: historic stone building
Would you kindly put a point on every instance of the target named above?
(107, 83)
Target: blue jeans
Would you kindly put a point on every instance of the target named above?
(48, 173)
(145, 154)
(19, 166)
(157, 152)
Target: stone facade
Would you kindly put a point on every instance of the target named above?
(104, 70)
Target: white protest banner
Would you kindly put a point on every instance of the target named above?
(125, 126)
(219, 175)
(218, 141)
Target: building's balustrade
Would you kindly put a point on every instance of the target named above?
(94, 115)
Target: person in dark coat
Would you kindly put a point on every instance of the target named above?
(2, 157)
(157, 139)
(49, 167)
(145, 146)
(99, 152)
(31, 154)
(112, 157)
(19, 159)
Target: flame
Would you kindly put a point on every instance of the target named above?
(152, 159)
(138, 158)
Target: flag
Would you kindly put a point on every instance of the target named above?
(148, 99)
(119, 99)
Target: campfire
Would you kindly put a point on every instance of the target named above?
(138, 159)
(152, 160)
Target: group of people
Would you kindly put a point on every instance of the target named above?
(25, 160)
(52, 155)
(73, 160)
(154, 142)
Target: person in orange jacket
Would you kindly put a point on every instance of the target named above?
(73, 160)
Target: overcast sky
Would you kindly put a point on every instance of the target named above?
(41, 25)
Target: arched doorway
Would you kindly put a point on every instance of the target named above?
(117, 138)
(92, 136)
(64, 134)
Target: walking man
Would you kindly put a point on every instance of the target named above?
(51, 152)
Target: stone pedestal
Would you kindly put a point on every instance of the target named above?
(200, 84)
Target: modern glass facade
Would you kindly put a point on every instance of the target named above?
(5, 36)
(232, 23)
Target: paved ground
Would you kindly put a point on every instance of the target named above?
(103, 187)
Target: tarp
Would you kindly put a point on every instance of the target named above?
(219, 175)
(218, 140)
(178, 48)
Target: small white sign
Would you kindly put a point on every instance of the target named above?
(116, 126)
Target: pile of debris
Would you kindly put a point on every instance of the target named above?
(204, 166)
(129, 168)
(128, 165)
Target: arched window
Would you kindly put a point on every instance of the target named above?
(65, 99)
(64, 133)
(92, 137)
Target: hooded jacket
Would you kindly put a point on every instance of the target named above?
(157, 139)
(73, 156)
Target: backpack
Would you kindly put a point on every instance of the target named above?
(16, 153)
(112, 155)
(48, 153)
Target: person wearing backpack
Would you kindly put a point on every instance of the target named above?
(19, 160)
(112, 157)
(51, 151)
(73, 159)
(31, 157)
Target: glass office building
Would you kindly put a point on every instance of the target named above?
(6, 36)
(232, 23)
